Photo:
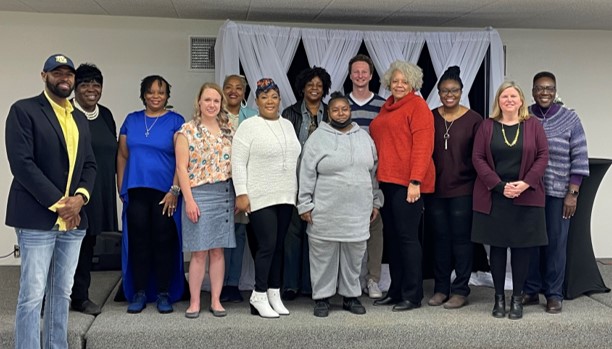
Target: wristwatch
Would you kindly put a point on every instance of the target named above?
(413, 182)
(574, 192)
(84, 198)
(175, 190)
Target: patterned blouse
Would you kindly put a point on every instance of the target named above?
(209, 155)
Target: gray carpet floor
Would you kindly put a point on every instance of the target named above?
(586, 322)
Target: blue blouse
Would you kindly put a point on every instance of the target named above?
(151, 162)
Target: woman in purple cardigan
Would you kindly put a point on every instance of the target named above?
(510, 156)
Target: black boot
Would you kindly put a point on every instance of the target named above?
(499, 309)
(516, 308)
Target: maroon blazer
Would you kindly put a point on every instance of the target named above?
(533, 164)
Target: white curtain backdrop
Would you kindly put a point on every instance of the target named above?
(227, 52)
(332, 49)
(463, 49)
(267, 51)
(388, 47)
(497, 64)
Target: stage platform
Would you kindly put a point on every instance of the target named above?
(586, 322)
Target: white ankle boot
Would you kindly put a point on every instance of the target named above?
(275, 301)
(260, 305)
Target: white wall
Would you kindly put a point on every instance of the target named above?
(127, 48)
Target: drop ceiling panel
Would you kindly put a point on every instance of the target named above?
(63, 6)
(215, 9)
(552, 14)
(144, 8)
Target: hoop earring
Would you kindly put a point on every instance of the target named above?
(243, 103)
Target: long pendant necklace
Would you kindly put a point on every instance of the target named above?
(542, 113)
(518, 130)
(447, 126)
(147, 128)
(283, 148)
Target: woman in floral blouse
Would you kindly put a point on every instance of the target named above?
(203, 149)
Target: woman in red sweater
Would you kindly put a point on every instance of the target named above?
(403, 133)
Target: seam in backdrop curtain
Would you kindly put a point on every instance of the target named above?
(388, 47)
(332, 49)
(464, 49)
(265, 51)
(227, 52)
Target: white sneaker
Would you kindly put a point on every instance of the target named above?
(372, 290)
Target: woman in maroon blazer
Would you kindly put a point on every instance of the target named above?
(510, 155)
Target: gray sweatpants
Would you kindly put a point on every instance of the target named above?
(335, 265)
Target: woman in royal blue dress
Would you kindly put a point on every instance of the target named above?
(152, 257)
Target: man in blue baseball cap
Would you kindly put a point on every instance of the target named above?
(48, 145)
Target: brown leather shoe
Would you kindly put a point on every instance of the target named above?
(437, 299)
(455, 302)
(531, 299)
(554, 306)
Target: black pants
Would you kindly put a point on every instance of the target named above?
(401, 239)
(451, 222)
(519, 259)
(82, 275)
(153, 239)
(270, 227)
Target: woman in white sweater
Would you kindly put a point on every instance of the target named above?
(265, 152)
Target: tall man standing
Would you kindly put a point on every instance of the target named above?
(365, 105)
(49, 151)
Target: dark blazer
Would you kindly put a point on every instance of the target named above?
(38, 159)
(533, 164)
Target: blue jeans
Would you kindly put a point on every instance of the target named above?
(547, 268)
(48, 262)
(233, 257)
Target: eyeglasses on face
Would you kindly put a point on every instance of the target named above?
(454, 91)
(540, 89)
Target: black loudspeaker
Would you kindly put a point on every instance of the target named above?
(107, 252)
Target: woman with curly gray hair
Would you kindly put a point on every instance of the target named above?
(403, 133)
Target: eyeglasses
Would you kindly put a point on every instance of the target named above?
(540, 89)
(454, 91)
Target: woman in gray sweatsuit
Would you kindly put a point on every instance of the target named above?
(338, 197)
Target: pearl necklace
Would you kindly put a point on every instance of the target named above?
(91, 115)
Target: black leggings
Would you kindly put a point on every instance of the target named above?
(153, 239)
(270, 227)
(519, 260)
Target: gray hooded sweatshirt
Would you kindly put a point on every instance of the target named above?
(337, 182)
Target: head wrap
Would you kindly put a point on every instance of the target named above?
(265, 85)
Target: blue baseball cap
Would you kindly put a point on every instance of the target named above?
(58, 60)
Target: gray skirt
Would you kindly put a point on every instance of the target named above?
(215, 228)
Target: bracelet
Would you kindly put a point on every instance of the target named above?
(175, 190)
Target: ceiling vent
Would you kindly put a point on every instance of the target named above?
(201, 53)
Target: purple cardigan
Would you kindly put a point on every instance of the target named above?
(533, 164)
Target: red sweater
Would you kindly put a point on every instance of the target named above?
(404, 136)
